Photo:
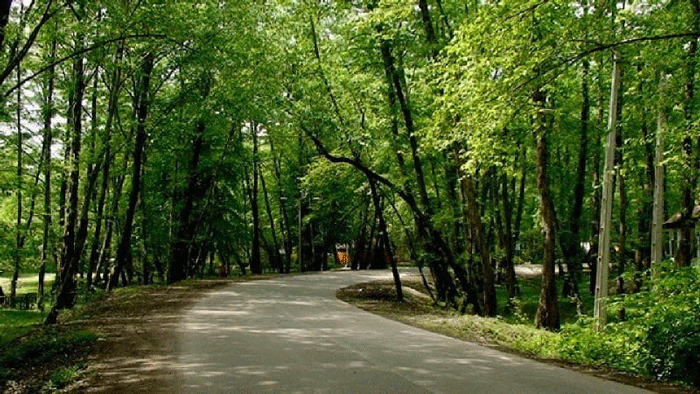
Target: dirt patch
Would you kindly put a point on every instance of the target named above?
(418, 310)
(136, 350)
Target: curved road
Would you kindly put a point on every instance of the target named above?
(291, 335)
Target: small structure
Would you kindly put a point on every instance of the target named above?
(675, 223)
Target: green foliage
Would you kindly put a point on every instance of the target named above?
(665, 319)
(63, 377)
(660, 336)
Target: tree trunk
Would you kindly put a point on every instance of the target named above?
(387, 242)
(66, 293)
(285, 221)
(179, 257)
(106, 248)
(145, 225)
(443, 260)
(18, 229)
(255, 261)
(521, 200)
(275, 257)
(572, 249)
(658, 209)
(452, 180)
(474, 220)
(548, 310)
(643, 253)
(428, 26)
(106, 162)
(506, 237)
(686, 244)
(124, 257)
(46, 153)
(391, 70)
(5, 7)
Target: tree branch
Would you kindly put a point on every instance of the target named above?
(76, 54)
(16, 59)
(371, 175)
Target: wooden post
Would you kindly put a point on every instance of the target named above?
(601, 289)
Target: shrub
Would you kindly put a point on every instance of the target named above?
(669, 312)
(661, 336)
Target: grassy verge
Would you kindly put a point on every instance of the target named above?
(615, 354)
(45, 349)
(36, 359)
(16, 323)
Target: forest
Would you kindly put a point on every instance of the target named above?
(151, 141)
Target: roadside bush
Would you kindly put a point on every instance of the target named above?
(669, 312)
(660, 337)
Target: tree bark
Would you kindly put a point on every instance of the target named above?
(691, 157)
(643, 253)
(5, 7)
(658, 209)
(548, 310)
(387, 243)
(179, 257)
(506, 236)
(18, 229)
(106, 247)
(106, 162)
(488, 296)
(46, 153)
(255, 261)
(275, 256)
(521, 200)
(285, 221)
(428, 26)
(66, 294)
(390, 69)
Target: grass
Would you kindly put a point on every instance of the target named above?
(42, 346)
(27, 283)
(577, 345)
(526, 305)
(513, 330)
(63, 377)
(16, 323)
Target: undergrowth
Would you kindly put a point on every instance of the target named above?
(660, 335)
(39, 347)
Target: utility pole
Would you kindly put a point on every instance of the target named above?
(601, 288)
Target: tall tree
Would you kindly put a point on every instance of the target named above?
(141, 107)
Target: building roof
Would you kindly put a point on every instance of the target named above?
(676, 221)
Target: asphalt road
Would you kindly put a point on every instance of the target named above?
(291, 335)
